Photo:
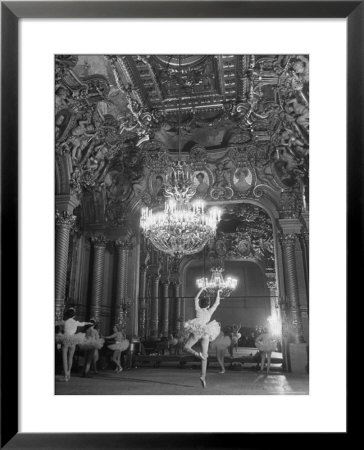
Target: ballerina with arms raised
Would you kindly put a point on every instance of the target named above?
(202, 329)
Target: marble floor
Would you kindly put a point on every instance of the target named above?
(184, 381)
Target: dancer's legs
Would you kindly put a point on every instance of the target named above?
(88, 360)
(116, 358)
(220, 359)
(95, 359)
(262, 362)
(65, 361)
(205, 347)
(269, 355)
(71, 351)
(190, 342)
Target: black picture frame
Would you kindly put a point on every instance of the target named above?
(11, 12)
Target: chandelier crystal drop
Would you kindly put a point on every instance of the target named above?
(184, 227)
(217, 282)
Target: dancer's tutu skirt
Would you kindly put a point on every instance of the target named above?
(235, 338)
(92, 344)
(199, 329)
(70, 339)
(267, 346)
(221, 342)
(121, 346)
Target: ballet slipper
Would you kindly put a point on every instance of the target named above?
(222, 371)
(202, 356)
(203, 382)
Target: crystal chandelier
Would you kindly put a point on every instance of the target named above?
(184, 227)
(217, 282)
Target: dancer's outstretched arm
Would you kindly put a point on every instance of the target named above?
(197, 306)
(217, 302)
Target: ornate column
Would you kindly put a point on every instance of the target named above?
(304, 239)
(142, 304)
(177, 305)
(64, 222)
(289, 245)
(99, 246)
(165, 295)
(154, 305)
(123, 246)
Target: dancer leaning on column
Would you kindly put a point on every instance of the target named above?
(201, 329)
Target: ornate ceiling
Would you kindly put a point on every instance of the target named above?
(243, 122)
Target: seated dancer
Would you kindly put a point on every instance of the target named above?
(235, 336)
(69, 339)
(121, 344)
(220, 344)
(201, 329)
(266, 343)
(91, 346)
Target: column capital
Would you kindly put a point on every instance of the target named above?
(65, 219)
(99, 240)
(288, 240)
(124, 244)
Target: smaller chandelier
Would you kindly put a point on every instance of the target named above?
(183, 228)
(217, 282)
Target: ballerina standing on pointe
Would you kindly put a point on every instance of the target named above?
(201, 329)
(69, 339)
(121, 344)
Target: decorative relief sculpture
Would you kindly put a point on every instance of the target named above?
(256, 133)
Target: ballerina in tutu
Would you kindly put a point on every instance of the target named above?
(221, 344)
(91, 346)
(201, 329)
(69, 339)
(235, 336)
(121, 344)
(266, 344)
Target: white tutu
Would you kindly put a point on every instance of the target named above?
(235, 337)
(70, 339)
(267, 345)
(222, 342)
(121, 346)
(92, 343)
(199, 328)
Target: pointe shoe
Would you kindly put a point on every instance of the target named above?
(202, 356)
(222, 371)
(120, 370)
(203, 382)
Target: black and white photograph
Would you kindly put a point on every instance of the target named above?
(182, 224)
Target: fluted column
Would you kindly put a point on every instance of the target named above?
(154, 306)
(304, 238)
(123, 247)
(142, 305)
(64, 223)
(99, 245)
(165, 295)
(177, 306)
(289, 244)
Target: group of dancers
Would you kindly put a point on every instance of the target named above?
(90, 342)
(200, 329)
